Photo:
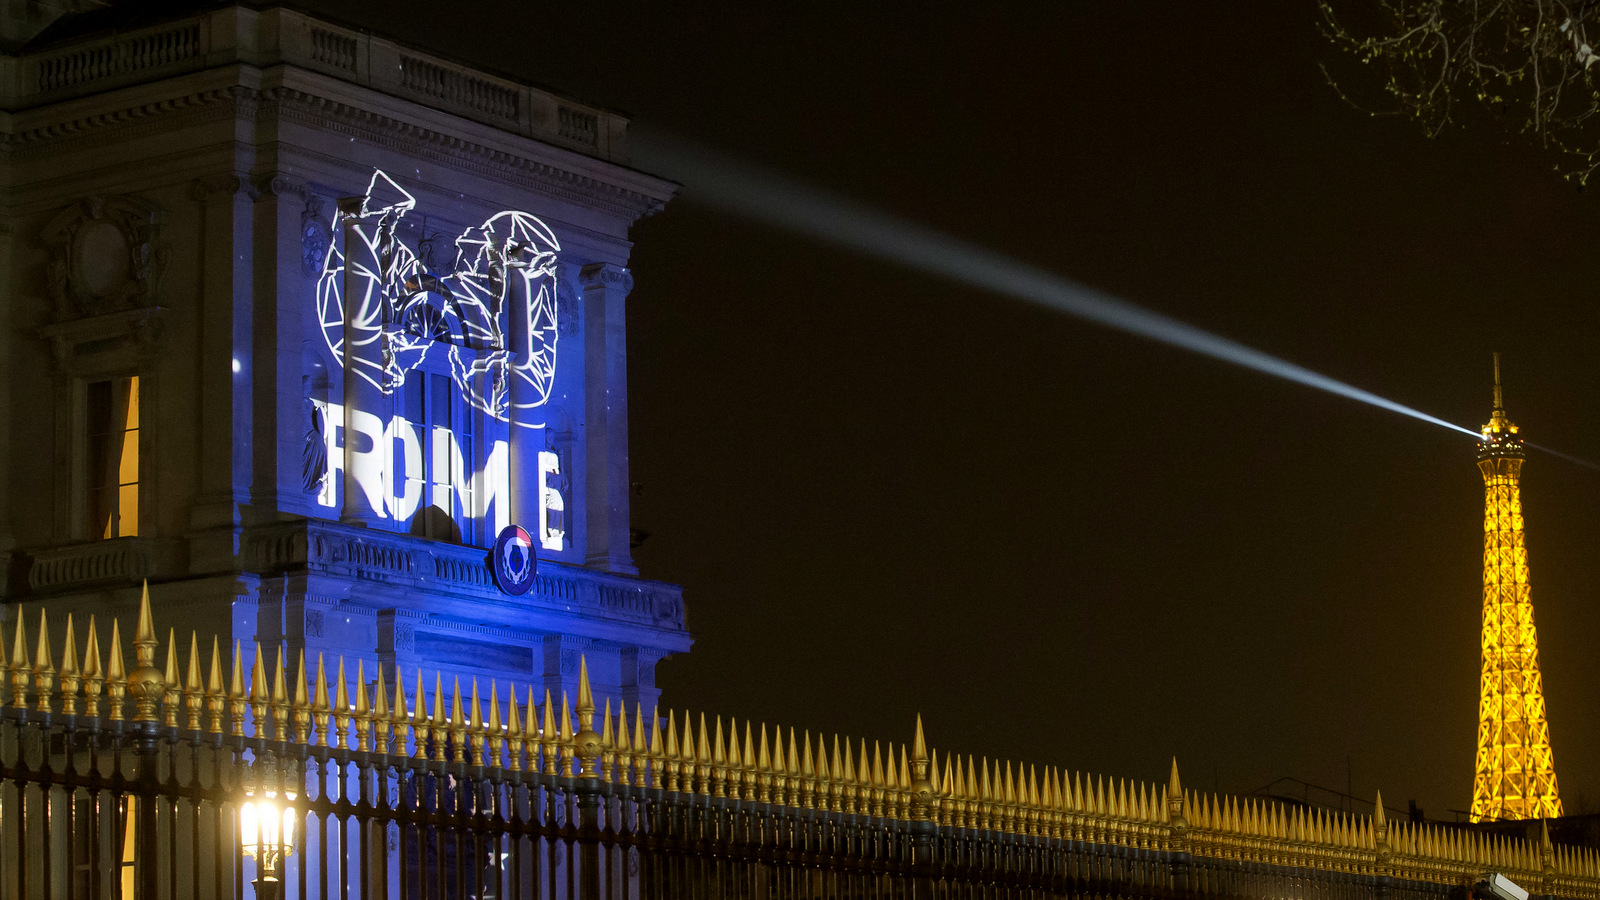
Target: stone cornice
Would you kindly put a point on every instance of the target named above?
(305, 108)
(103, 127)
(308, 109)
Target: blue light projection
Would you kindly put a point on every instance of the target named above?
(492, 312)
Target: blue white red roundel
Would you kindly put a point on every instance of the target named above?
(512, 560)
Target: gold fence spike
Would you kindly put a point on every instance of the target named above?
(622, 748)
(472, 725)
(216, 696)
(734, 764)
(688, 758)
(321, 707)
(566, 735)
(396, 720)
(886, 783)
(808, 768)
(93, 677)
(238, 701)
(341, 704)
(300, 704)
(942, 784)
(258, 683)
(458, 725)
(144, 633)
(69, 671)
(421, 730)
(516, 739)
(281, 701)
(44, 669)
(792, 761)
(750, 774)
(547, 735)
(608, 747)
(116, 675)
(670, 769)
(371, 719)
(191, 679)
(172, 688)
(438, 721)
(387, 723)
(640, 750)
(194, 692)
(497, 732)
(585, 695)
(20, 670)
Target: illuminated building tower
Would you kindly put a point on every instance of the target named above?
(324, 336)
(1516, 777)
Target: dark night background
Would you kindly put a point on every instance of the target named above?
(885, 494)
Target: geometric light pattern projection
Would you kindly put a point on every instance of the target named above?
(492, 312)
(1515, 774)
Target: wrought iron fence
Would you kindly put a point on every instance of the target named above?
(181, 783)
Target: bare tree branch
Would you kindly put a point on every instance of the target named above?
(1528, 58)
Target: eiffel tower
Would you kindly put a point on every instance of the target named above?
(1516, 777)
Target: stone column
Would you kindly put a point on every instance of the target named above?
(285, 287)
(225, 326)
(605, 289)
(363, 355)
(8, 302)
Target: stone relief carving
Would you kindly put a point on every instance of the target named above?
(104, 256)
(316, 232)
(567, 303)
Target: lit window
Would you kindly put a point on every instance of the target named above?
(113, 476)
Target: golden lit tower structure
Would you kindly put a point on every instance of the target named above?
(1516, 777)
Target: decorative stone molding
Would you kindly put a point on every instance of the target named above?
(372, 556)
(119, 560)
(104, 256)
(330, 115)
(447, 149)
(606, 275)
(160, 48)
(222, 186)
(129, 123)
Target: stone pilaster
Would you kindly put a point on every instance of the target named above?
(225, 325)
(605, 291)
(8, 302)
(278, 399)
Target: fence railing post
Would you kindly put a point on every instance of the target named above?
(586, 787)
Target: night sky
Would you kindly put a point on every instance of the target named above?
(886, 494)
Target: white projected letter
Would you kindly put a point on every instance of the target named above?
(492, 487)
(332, 418)
(549, 501)
(402, 504)
(369, 464)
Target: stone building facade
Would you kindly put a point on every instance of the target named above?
(179, 194)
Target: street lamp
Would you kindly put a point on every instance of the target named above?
(266, 834)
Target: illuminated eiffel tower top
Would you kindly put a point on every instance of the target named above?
(1515, 776)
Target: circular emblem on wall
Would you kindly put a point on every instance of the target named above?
(512, 560)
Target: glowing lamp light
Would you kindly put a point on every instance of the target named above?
(266, 834)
